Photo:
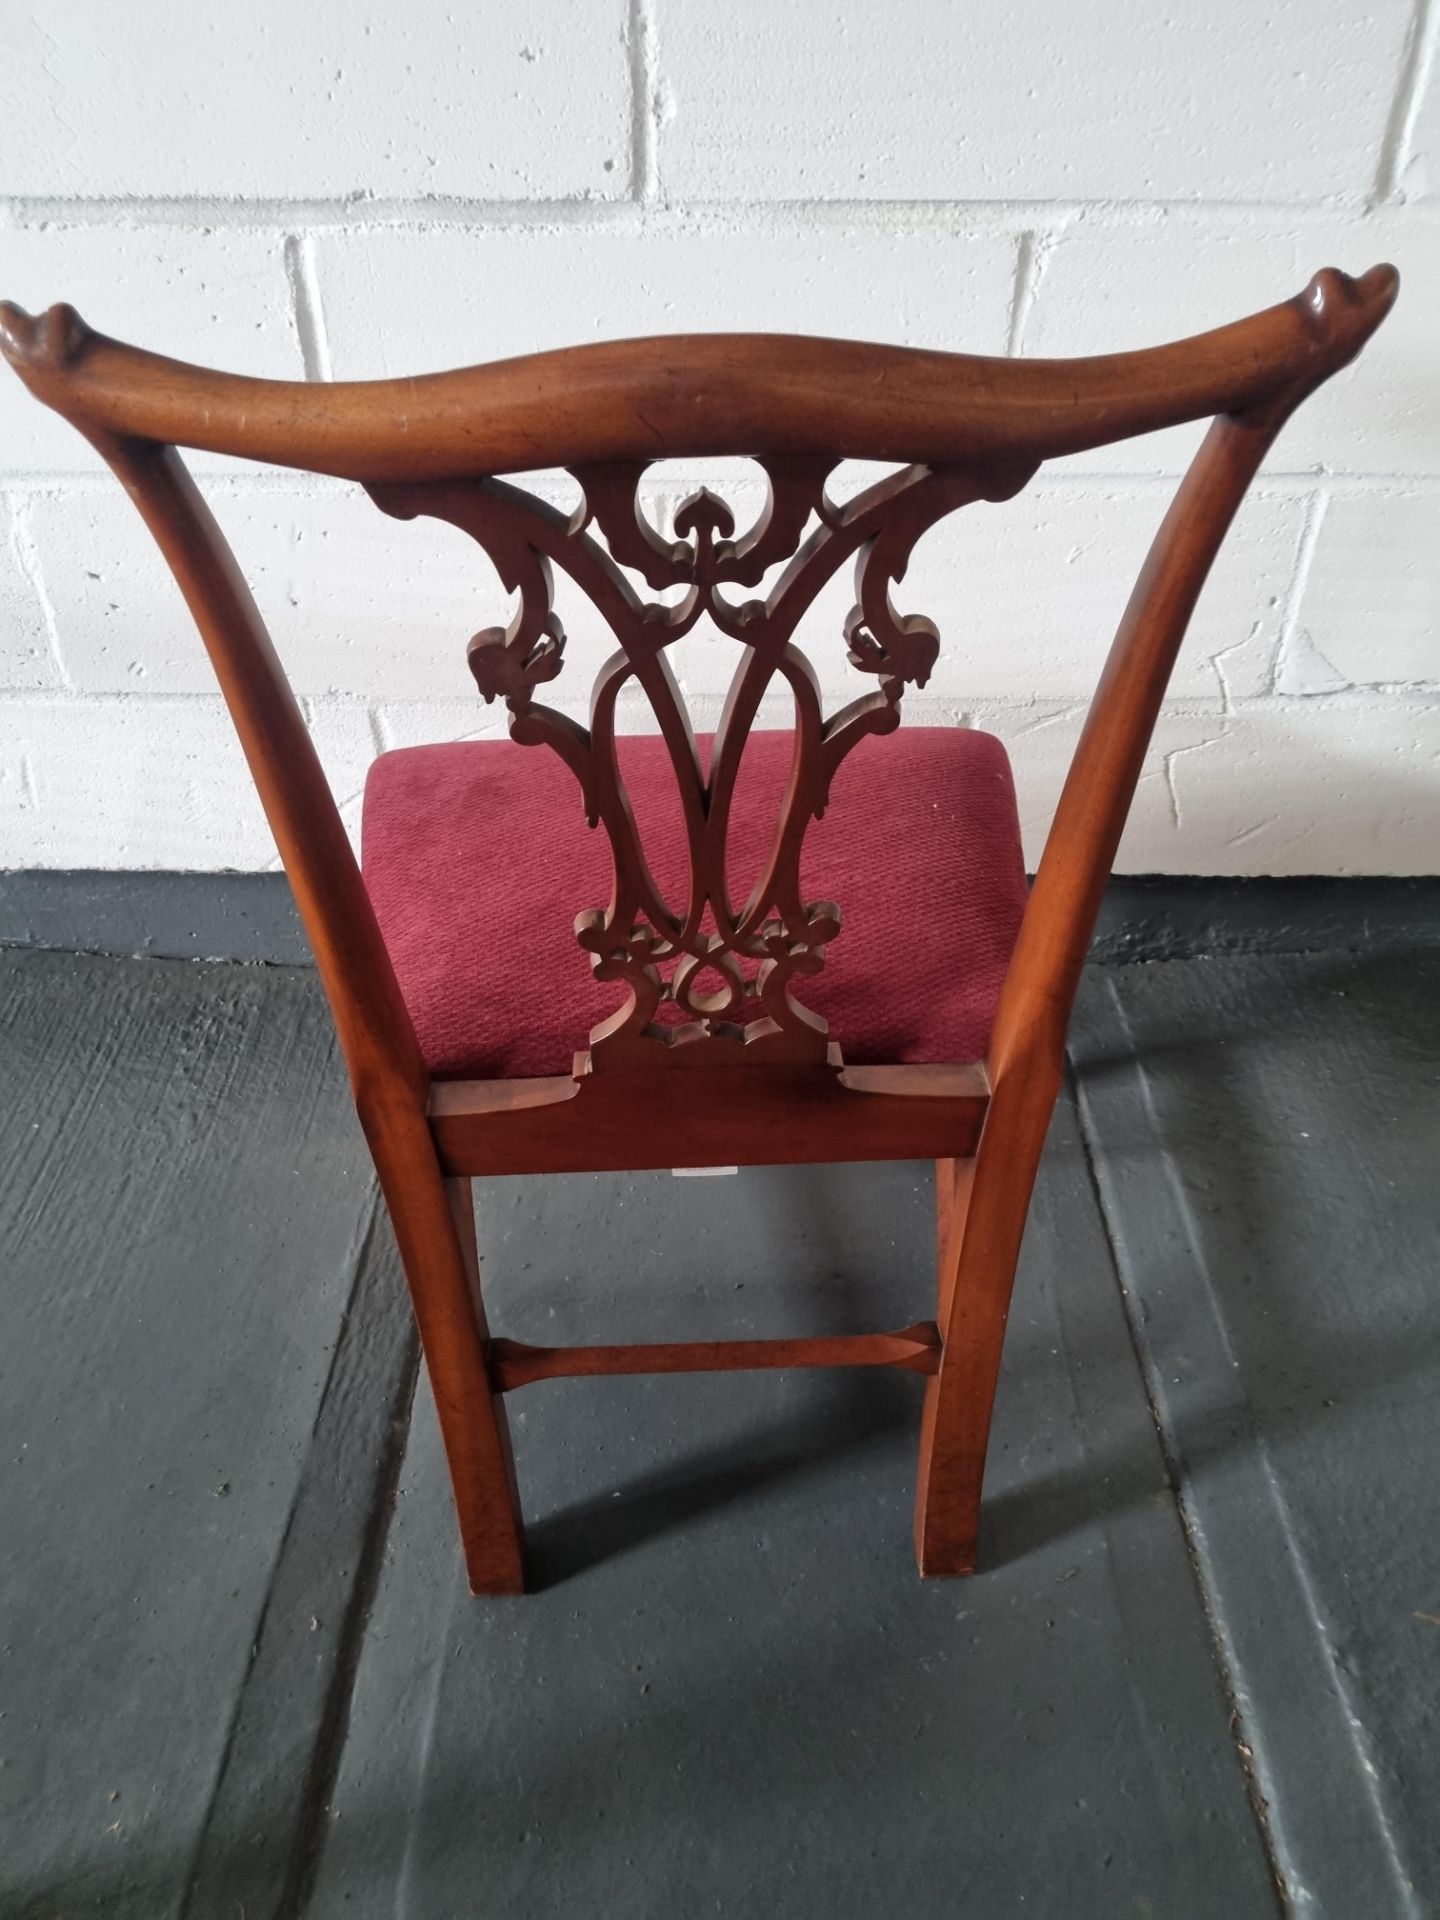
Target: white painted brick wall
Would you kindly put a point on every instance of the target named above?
(340, 190)
(1122, 100)
(324, 100)
(508, 291)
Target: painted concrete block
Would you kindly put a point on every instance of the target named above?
(357, 602)
(1369, 613)
(915, 101)
(318, 101)
(1343, 786)
(510, 291)
(126, 783)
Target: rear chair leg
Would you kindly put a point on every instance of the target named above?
(981, 1206)
(435, 1227)
(504, 1550)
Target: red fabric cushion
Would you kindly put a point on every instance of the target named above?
(477, 858)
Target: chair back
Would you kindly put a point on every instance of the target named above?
(711, 975)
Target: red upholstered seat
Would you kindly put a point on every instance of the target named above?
(477, 858)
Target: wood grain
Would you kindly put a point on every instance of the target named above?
(915, 1349)
(697, 394)
(728, 1116)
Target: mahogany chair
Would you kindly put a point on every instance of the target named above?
(458, 1022)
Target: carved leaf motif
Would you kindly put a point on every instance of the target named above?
(721, 973)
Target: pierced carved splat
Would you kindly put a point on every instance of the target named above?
(711, 979)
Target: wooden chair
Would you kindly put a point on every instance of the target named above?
(738, 1071)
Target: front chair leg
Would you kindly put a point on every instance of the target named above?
(435, 1227)
(981, 1207)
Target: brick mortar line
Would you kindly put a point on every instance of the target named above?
(205, 212)
(27, 560)
(307, 312)
(641, 33)
(1398, 142)
(1360, 695)
(262, 482)
(1305, 551)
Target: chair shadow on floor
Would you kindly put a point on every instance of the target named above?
(1273, 1239)
(1112, 1466)
(804, 1247)
(843, 1419)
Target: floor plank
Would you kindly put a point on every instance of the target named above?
(196, 1290)
(1267, 1141)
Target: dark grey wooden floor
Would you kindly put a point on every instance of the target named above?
(1198, 1677)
